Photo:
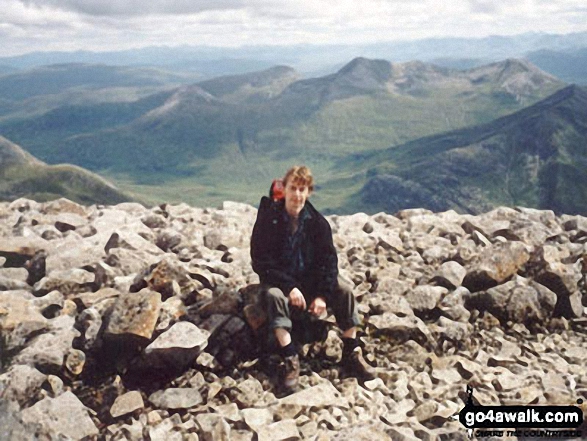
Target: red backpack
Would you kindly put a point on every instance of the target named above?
(277, 191)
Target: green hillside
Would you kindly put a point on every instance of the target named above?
(536, 157)
(48, 80)
(22, 175)
(226, 138)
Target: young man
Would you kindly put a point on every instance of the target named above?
(293, 253)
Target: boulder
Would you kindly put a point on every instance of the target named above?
(135, 315)
(257, 418)
(68, 282)
(177, 347)
(62, 416)
(18, 250)
(127, 403)
(65, 256)
(320, 396)
(213, 427)
(396, 304)
(425, 298)
(19, 318)
(284, 430)
(450, 275)
(495, 265)
(49, 350)
(176, 398)
(21, 383)
(401, 328)
(248, 393)
(516, 301)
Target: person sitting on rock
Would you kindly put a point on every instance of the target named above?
(293, 253)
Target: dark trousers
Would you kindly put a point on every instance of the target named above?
(280, 314)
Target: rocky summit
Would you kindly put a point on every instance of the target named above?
(131, 323)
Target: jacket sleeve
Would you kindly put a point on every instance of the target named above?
(261, 256)
(326, 262)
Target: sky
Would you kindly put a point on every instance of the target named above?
(106, 25)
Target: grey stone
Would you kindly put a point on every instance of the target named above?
(495, 265)
(178, 346)
(450, 275)
(134, 314)
(257, 418)
(20, 383)
(402, 328)
(75, 361)
(64, 415)
(19, 318)
(127, 403)
(50, 350)
(425, 298)
(393, 303)
(514, 301)
(248, 393)
(88, 299)
(176, 398)
(229, 412)
(285, 430)
(320, 396)
(213, 427)
(68, 282)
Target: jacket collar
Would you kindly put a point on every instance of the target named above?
(304, 214)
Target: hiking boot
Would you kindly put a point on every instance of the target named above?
(355, 365)
(292, 372)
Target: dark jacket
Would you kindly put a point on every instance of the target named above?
(268, 242)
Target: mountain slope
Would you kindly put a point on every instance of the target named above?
(536, 157)
(368, 104)
(22, 175)
(570, 66)
(58, 78)
(230, 135)
(252, 87)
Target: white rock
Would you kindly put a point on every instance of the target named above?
(127, 403)
(65, 415)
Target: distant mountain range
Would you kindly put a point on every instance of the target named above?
(368, 104)
(569, 66)
(310, 59)
(536, 157)
(378, 135)
(22, 175)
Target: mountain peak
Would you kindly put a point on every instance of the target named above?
(516, 77)
(252, 86)
(380, 69)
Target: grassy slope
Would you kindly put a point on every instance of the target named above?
(204, 153)
(536, 157)
(44, 183)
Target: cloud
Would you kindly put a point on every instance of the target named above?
(128, 8)
(27, 25)
(485, 6)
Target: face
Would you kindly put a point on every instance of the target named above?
(296, 194)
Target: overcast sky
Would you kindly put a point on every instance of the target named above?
(37, 25)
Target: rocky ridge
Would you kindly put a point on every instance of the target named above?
(131, 323)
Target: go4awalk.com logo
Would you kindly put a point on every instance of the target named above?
(561, 421)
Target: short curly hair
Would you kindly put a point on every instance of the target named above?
(301, 174)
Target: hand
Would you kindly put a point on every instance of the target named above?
(296, 298)
(318, 306)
